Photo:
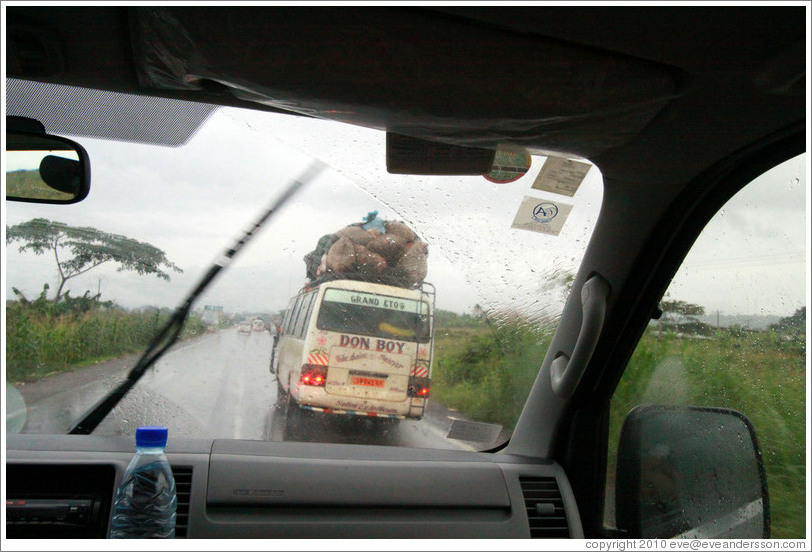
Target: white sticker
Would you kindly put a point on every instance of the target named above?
(561, 176)
(541, 215)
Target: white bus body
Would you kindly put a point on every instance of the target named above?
(358, 348)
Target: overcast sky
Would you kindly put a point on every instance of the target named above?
(752, 258)
(193, 201)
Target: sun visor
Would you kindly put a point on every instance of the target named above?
(83, 112)
(408, 71)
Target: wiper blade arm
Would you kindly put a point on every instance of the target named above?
(170, 332)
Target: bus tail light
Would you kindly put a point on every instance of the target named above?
(313, 374)
(419, 387)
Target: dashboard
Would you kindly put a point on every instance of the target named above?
(62, 487)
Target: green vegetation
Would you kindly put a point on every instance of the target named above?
(792, 325)
(44, 337)
(486, 373)
(28, 184)
(451, 320)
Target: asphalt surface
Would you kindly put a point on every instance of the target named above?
(214, 386)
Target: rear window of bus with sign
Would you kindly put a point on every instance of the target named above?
(374, 315)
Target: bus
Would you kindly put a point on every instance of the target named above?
(356, 348)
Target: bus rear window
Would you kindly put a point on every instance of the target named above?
(374, 315)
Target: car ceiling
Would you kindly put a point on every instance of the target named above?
(652, 95)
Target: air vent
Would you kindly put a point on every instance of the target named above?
(183, 486)
(545, 508)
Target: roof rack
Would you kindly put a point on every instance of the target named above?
(364, 277)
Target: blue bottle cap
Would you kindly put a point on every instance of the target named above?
(151, 436)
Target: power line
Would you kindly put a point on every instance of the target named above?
(775, 259)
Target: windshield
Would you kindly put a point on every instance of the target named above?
(88, 285)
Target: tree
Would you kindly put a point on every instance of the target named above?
(680, 313)
(681, 308)
(795, 322)
(78, 250)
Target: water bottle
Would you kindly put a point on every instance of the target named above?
(145, 504)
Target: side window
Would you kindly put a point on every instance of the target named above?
(293, 314)
(285, 319)
(304, 315)
(310, 309)
(733, 335)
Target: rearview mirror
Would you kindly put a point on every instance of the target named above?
(407, 155)
(41, 168)
(689, 472)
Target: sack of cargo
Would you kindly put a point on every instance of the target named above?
(375, 249)
(388, 246)
(412, 266)
(400, 229)
(341, 257)
(369, 262)
(315, 258)
(355, 234)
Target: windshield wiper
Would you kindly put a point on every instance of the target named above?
(170, 332)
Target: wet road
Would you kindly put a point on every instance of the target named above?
(217, 385)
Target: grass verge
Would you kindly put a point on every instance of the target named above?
(40, 342)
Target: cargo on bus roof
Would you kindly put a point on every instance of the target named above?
(362, 251)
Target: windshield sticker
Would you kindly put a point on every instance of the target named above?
(561, 176)
(541, 215)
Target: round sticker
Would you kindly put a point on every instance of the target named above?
(508, 167)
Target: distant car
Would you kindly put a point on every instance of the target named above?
(244, 326)
(258, 325)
